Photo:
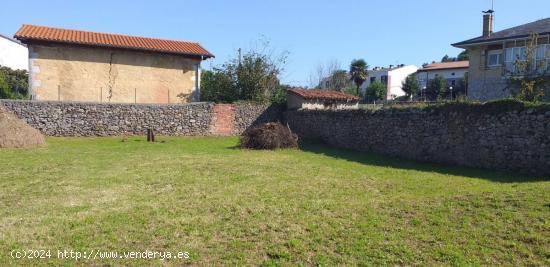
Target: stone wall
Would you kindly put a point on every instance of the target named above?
(514, 139)
(248, 114)
(95, 119)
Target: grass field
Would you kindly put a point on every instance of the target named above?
(315, 206)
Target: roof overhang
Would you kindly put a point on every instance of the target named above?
(469, 43)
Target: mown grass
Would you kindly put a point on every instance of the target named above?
(315, 206)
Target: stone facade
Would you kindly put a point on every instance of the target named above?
(485, 83)
(94, 74)
(515, 140)
(55, 118)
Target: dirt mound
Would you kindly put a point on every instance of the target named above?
(269, 136)
(15, 133)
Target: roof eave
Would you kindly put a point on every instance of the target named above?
(27, 41)
(466, 44)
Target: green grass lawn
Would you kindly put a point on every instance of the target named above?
(315, 206)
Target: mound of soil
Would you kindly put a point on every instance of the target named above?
(271, 135)
(15, 133)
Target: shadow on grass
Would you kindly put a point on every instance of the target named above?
(369, 158)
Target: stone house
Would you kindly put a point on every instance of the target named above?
(299, 98)
(494, 56)
(73, 65)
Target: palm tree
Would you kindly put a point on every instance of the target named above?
(358, 72)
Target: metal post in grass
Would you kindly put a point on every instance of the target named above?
(58, 92)
(150, 135)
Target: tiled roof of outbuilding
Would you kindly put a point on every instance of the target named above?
(323, 94)
(42, 33)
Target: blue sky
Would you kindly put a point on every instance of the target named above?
(313, 32)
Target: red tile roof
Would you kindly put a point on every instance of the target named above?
(446, 65)
(323, 94)
(41, 33)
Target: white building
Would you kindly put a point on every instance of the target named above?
(392, 77)
(453, 72)
(13, 54)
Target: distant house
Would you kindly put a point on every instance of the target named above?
(452, 72)
(13, 54)
(493, 56)
(299, 98)
(392, 77)
(73, 65)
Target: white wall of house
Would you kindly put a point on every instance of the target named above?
(393, 78)
(397, 77)
(448, 74)
(13, 54)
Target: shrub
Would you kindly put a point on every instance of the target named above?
(376, 91)
(272, 135)
(13, 83)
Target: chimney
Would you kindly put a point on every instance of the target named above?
(488, 23)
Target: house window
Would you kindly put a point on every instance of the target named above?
(541, 58)
(453, 82)
(384, 78)
(519, 54)
(372, 79)
(493, 58)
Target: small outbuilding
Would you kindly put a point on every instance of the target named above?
(299, 98)
(75, 65)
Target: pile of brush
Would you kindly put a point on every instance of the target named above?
(272, 135)
(16, 133)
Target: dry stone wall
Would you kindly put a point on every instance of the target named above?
(55, 118)
(515, 139)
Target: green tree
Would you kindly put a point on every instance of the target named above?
(218, 86)
(530, 90)
(350, 89)
(17, 81)
(338, 80)
(462, 86)
(358, 72)
(256, 77)
(280, 94)
(531, 76)
(464, 55)
(376, 91)
(5, 90)
(411, 86)
(446, 58)
(253, 76)
(437, 87)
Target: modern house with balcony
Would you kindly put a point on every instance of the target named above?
(497, 56)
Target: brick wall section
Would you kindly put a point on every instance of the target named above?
(55, 118)
(223, 121)
(517, 140)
